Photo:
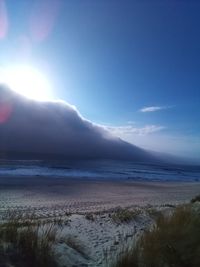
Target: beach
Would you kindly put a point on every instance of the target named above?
(46, 194)
(87, 211)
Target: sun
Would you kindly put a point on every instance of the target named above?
(28, 81)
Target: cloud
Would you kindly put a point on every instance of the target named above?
(56, 129)
(155, 138)
(153, 108)
(130, 129)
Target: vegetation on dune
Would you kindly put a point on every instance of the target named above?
(173, 241)
(154, 213)
(125, 215)
(26, 241)
(27, 244)
(196, 199)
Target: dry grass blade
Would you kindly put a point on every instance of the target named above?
(28, 244)
(174, 241)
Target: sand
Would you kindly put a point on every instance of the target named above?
(75, 195)
(51, 198)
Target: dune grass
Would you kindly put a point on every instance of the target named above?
(27, 244)
(124, 215)
(154, 213)
(173, 241)
(196, 199)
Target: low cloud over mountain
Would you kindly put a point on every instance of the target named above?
(56, 129)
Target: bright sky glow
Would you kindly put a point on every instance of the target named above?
(27, 81)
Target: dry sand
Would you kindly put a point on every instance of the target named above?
(75, 195)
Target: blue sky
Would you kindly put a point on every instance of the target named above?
(112, 59)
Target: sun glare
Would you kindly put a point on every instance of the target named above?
(27, 81)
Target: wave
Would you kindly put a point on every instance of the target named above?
(99, 170)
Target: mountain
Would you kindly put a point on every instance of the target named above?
(55, 129)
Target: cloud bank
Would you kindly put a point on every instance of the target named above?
(153, 108)
(155, 138)
(56, 129)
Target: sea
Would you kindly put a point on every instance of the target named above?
(99, 169)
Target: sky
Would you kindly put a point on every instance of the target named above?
(131, 66)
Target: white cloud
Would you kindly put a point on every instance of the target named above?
(130, 129)
(154, 138)
(153, 108)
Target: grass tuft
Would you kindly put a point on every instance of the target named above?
(124, 215)
(26, 243)
(154, 213)
(173, 241)
(196, 199)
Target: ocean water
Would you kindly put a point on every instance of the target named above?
(99, 169)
